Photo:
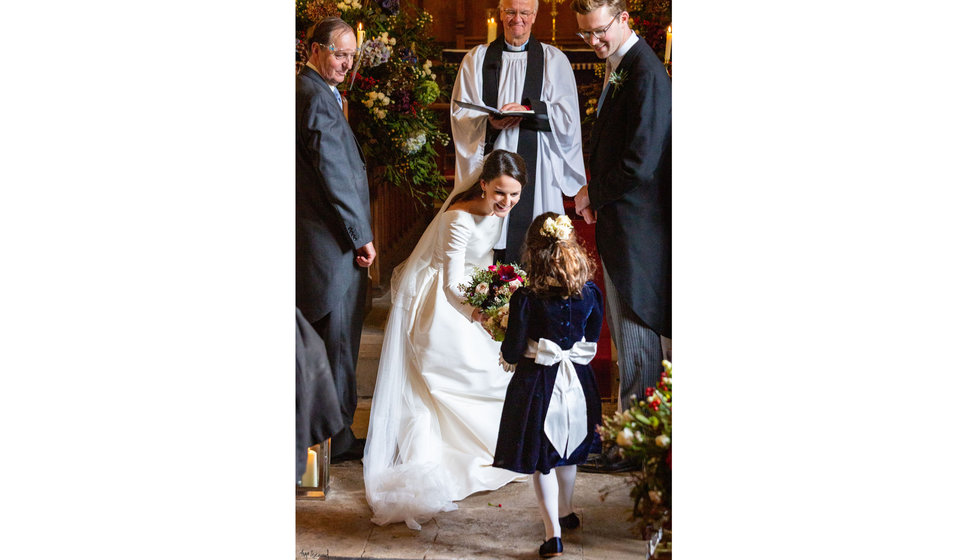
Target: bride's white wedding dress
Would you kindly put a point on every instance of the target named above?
(440, 389)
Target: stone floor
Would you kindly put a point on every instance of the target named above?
(339, 526)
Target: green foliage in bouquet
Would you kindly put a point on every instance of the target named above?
(643, 434)
(389, 95)
(490, 289)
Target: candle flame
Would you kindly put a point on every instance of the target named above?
(360, 26)
(668, 29)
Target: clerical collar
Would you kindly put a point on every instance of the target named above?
(520, 48)
(617, 57)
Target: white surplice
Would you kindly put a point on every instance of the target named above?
(560, 168)
(440, 388)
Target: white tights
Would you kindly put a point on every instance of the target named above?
(554, 492)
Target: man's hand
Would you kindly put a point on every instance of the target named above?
(507, 122)
(583, 206)
(366, 254)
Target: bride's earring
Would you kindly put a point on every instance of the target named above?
(484, 195)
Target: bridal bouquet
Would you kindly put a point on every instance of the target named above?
(490, 289)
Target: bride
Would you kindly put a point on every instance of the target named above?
(440, 389)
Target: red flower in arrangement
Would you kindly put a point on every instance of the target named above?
(492, 268)
(507, 273)
(649, 391)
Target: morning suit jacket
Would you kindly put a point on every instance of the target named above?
(629, 187)
(333, 214)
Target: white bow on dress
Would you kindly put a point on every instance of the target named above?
(565, 424)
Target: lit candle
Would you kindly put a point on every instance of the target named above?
(491, 30)
(310, 476)
(667, 51)
(360, 34)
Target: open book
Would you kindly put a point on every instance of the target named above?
(496, 113)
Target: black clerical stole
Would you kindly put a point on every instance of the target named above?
(527, 139)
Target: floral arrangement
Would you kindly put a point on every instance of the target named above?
(389, 89)
(489, 289)
(650, 20)
(642, 434)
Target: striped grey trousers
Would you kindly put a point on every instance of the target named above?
(638, 347)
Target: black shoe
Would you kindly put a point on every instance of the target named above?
(569, 522)
(607, 466)
(353, 453)
(551, 548)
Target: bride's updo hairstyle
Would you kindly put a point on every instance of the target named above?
(553, 259)
(499, 162)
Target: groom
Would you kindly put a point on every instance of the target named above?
(628, 195)
(334, 242)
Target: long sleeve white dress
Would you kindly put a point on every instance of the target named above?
(440, 389)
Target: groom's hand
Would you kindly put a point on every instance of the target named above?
(366, 254)
(583, 206)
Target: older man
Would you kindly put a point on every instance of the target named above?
(517, 72)
(628, 195)
(334, 243)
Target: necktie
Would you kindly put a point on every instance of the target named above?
(605, 87)
(340, 101)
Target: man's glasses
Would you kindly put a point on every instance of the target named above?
(340, 55)
(511, 14)
(598, 33)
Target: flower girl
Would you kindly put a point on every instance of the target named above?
(552, 404)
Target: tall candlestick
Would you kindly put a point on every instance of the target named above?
(310, 476)
(491, 30)
(360, 34)
(667, 51)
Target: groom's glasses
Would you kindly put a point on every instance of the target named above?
(598, 33)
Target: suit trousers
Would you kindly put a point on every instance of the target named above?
(638, 347)
(341, 333)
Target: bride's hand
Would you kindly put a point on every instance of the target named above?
(480, 317)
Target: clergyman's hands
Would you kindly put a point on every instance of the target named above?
(507, 122)
(583, 206)
(366, 254)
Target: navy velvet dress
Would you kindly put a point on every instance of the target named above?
(522, 445)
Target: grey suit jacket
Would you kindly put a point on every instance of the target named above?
(333, 213)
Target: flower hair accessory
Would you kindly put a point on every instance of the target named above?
(559, 229)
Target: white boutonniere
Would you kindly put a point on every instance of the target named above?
(617, 79)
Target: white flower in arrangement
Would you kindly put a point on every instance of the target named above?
(344, 5)
(625, 438)
(559, 229)
(414, 143)
(655, 496)
(483, 288)
(379, 99)
(662, 441)
(504, 316)
(386, 40)
(514, 284)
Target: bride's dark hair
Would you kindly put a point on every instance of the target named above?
(499, 162)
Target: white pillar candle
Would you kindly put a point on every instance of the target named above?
(491, 30)
(311, 474)
(667, 51)
(360, 34)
